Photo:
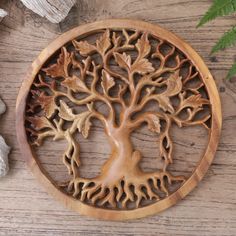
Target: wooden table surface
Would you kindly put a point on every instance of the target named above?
(26, 208)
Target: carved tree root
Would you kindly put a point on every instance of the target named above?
(127, 189)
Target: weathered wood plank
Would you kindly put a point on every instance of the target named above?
(26, 209)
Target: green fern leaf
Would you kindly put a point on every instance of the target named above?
(227, 40)
(218, 8)
(231, 72)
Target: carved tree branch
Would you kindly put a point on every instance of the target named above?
(163, 59)
(193, 104)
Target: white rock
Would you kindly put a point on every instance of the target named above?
(2, 107)
(4, 151)
(2, 14)
(54, 10)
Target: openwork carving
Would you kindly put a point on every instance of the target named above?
(126, 70)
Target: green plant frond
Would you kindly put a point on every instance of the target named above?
(218, 8)
(227, 40)
(231, 72)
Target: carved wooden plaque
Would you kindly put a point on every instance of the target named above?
(142, 75)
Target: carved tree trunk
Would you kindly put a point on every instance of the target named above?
(123, 161)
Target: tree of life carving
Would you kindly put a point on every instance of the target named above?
(122, 68)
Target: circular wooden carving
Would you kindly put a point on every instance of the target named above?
(125, 65)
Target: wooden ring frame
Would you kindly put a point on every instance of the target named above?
(122, 214)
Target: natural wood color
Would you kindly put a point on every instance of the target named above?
(123, 165)
(26, 208)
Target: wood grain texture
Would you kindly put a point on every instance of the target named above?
(26, 209)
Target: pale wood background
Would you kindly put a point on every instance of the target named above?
(25, 207)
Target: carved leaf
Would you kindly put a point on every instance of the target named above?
(39, 123)
(75, 84)
(84, 47)
(123, 60)
(107, 81)
(47, 104)
(80, 84)
(104, 43)
(154, 124)
(65, 112)
(86, 128)
(143, 46)
(164, 103)
(83, 123)
(194, 101)
(60, 69)
(174, 86)
(142, 66)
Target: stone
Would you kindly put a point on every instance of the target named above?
(4, 151)
(54, 11)
(3, 13)
(2, 107)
